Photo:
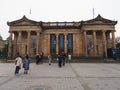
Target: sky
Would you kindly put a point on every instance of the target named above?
(57, 10)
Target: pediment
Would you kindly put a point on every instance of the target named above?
(23, 21)
(100, 20)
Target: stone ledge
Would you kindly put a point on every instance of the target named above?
(10, 61)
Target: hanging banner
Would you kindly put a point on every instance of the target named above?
(61, 41)
(70, 41)
(52, 41)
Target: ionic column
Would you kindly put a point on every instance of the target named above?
(57, 44)
(85, 43)
(65, 43)
(37, 42)
(104, 43)
(48, 43)
(19, 36)
(94, 42)
(28, 42)
(113, 39)
(15, 45)
(10, 45)
(19, 42)
(108, 38)
(40, 42)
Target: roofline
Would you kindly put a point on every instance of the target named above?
(80, 22)
(99, 18)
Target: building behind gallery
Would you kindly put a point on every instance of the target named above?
(83, 38)
(3, 44)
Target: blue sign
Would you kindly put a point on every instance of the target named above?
(61, 41)
(70, 41)
(52, 41)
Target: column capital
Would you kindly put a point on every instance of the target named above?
(11, 34)
(28, 31)
(94, 31)
(57, 34)
(19, 31)
(38, 31)
(10, 31)
(65, 33)
(104, 31)
(85, 31)
(113, 31)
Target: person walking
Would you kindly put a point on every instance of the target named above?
(50, 59)
(40, 59)
(59, 60)
(26, 64)
(63, 58)
(37, 59)
(18, 63)
(41, 54)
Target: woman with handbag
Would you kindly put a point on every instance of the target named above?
(18, 63)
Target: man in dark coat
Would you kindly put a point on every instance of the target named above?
(26, 64)
(63, 58)
(59, 60)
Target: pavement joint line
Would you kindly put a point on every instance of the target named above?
(48, 77)
(80, 80)
(113, 68)
(60, 77)
(6, 81)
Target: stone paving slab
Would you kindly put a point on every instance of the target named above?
(74, 76)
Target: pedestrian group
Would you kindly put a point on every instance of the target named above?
(25, 63)
(19, 64)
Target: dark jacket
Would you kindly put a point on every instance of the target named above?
(26, 63)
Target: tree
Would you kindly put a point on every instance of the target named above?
(118, 45)
(5, 51)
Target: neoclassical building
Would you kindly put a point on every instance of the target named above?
(84, 38)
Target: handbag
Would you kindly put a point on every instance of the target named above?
(23, 65)
(19, 67)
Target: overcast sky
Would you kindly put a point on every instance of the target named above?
(57, 10)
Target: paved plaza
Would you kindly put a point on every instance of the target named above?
(73, 76)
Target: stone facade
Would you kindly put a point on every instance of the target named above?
(84, 38)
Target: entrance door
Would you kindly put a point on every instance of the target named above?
(61, 43)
